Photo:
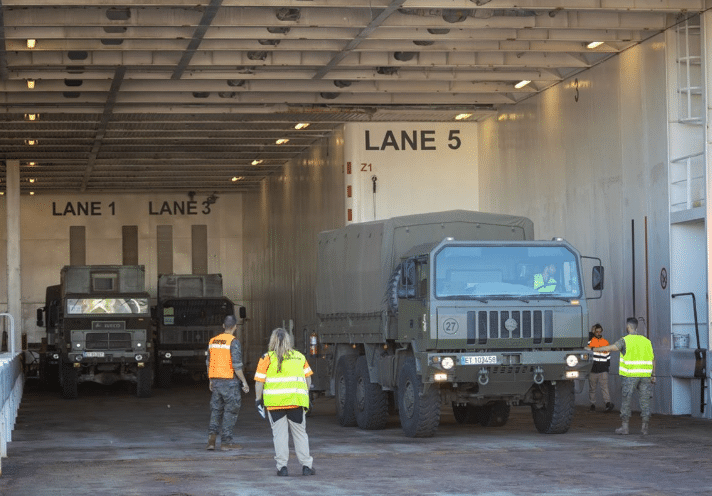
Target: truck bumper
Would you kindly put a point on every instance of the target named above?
(503, 372)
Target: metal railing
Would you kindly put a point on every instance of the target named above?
(11, 386)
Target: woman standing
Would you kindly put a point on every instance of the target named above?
(282, 383)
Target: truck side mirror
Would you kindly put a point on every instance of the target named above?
(40, 317)
(597, 278)
(242, 312)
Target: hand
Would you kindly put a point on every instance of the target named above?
(210, 385)
(245, 388)
(260, 407)
(652, 379)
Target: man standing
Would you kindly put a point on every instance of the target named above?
(637, 371)
(224, 363)
(282, 383)
(599, 372)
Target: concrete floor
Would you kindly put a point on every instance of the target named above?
(108, 442)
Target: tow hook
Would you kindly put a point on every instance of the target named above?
(538, 375)
(483, 377)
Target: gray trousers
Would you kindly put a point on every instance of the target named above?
(594, 380)
(280, 436)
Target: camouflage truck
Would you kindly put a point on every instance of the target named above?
(190, 311)
(98, 328)
(432, 309)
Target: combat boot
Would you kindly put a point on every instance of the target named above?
(229, 446)
(623, 429)
(644, 428)
(211, 442)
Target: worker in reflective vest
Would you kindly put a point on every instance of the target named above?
(599, 372)
(637, 371)
(545, 282)
(282, 383)
(224, 362)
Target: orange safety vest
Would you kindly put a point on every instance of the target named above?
(220, 358)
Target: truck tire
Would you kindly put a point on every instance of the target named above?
(345, 380)
(164, 376)
(144, 378)
(495, 415)
(419, 412)
(557, 411)
(371, 402)
(466, 414)
(69, 381)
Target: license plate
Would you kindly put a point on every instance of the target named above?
(479, 360)
(94, 354)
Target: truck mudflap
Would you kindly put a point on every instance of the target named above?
(504, 373)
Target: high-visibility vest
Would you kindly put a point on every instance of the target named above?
(287, 387)
(601, 359)
(220, 358)
(544, 287)
(638, 358)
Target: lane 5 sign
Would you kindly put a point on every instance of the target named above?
(412, 140)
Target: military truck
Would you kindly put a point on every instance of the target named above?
(99, 328)
(190, 310)
(431, 309)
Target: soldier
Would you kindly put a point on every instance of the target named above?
(637, 371)
(224, 362)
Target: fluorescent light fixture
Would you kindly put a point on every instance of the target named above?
(32, 117)
(32, 179)
(31, 43)
(460, 117)
(31, 142)
(237, 178)
(522, 84)
(302, 125)
(30, 83)
(257, 162)
(282, 141)
(594, 44)
(31, 164)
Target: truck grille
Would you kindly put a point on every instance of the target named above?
(108, 341)
(536, 325)
(192, 337)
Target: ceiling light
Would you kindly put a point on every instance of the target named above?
(302, 125)
(522, 84)
(237, 178)
(32, 117)
(460, 117)
(32, 179)
(594, 44)
(32, 193)
(30, 83)
(31, 142)
(257, 162)
(282, 141)
(31, 43)
(31, 164)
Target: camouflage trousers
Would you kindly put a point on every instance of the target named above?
(224, 408)
(645, 394)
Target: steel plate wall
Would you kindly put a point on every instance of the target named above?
(586, 160)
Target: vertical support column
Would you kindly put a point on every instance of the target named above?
(14, 287)
(199, 235)
(706, 25)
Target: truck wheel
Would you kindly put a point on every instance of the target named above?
(143, 382)
(419, 412)
(466, 414)
(164, 376)
(346, 390)
(371, 405)
(69, 381)
(495, 415)
(557, 411)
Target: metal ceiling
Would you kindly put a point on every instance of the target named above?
(173, 95)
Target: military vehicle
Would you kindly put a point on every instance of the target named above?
(190, 310)
(98, 325)
(431, 309)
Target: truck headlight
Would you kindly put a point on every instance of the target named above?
(168, 354)
(572, 360)
(138, 358)
(440, 376)
(447, 363)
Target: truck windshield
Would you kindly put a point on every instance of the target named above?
(81, 306)
(506, 271)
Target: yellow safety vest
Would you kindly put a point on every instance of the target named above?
(289, 386)
(544, 287)
(220, 358)
(638, 358)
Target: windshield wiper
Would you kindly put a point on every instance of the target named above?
(509, 297)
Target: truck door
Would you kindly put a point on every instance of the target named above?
(413, 301)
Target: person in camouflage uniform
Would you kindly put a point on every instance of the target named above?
(224, 362)
(637, 371)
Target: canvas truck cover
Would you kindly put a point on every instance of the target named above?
(190, 286)
(83, 279)
(355, 262)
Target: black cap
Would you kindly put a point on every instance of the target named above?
(230, 321)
